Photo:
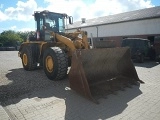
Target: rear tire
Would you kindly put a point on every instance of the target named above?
(141, 58)
(27, 57)
(55, 63)
(152, 54)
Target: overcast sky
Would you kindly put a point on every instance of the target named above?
(17, 14)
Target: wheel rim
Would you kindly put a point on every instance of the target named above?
(49, 64)
(25, 59)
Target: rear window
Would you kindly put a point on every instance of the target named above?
(128, 42)
(134, 43)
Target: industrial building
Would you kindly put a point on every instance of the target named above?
(143, 23)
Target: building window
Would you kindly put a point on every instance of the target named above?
(101, 39)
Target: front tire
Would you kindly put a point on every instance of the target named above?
(55, 63)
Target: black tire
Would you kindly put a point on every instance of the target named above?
(152, 54)
(58, 61)
(141, 58)
(28, 60)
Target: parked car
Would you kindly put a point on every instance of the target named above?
(140, 48)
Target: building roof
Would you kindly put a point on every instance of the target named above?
(147, 13)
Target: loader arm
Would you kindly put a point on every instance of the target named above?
(65, 40)
(70, 43)
(84, 38)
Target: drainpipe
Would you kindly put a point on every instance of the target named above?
(92, 41)
(97, 32)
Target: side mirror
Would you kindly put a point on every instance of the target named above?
(70, 20)
(36, 16)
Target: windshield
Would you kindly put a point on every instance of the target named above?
(134, 43)
(55, 22)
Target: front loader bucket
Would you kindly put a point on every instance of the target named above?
(95, 72)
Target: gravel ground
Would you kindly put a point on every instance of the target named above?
(15, 81)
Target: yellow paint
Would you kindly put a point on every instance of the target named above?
(25, 59)
(67, 41)
(49, 64)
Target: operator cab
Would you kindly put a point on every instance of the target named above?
(47, 22)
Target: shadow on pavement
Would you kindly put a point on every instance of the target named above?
(30, 84)
(22, 82)
(109, 107)
(147, 64)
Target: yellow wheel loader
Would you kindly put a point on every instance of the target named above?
(93, 71)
